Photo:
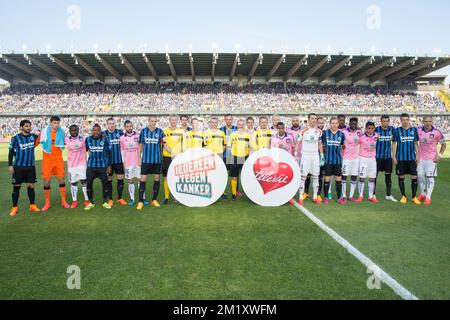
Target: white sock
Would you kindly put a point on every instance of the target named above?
(131, 188)
(301, 191)
(84, 188)
(315, 186)
(371, 188)
(430, 187)
(74, 191)
(352, 188)
(344, 188)
(422, 184)
(361, 188)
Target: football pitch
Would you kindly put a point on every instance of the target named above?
(230, 250)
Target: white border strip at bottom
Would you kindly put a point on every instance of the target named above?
(383, 276)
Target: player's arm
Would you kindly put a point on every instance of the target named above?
(416, 145)
(110, 156)
(394, 151)
(122, 148)
(443, 147)
(11, 155)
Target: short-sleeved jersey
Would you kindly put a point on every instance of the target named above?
(114, 142)
(406, 139)
(152, 142)
(428, 141)
(174, 140)
(129, 145)
(368, 145)
(215, 140)
(76, 149)
(309, 140)
(23, 147)
(193, 139)
(239, 143)
(384, 143)
(351, 150)
(99, 150)
(332, 146)
(285, 142)
(261, 138)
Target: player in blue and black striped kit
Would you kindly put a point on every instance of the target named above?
(99, 165)
(333, 143)
(113, 134)
(151, 142)
(21, 165)
(386, 135)
(406, 155)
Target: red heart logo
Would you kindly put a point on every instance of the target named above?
(272, 175)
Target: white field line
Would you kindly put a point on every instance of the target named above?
(380, 273)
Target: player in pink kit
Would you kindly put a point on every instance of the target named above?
(282, 139)
(76, 163)
(129, 146)
(350, 156)
(429, 138)
(368, 162)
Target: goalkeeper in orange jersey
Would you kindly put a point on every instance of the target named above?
(51, 139)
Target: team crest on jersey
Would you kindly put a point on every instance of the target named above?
(432, 136)
(136, 139)
(76, 145)
(31, 138)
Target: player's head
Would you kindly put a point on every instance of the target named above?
(427, 122)
(25, 126)
(228, 120)
(128, 125)
(353, 123)
(152, 120)
(370, 127)
(385, 120)
(173, 121)
(263, 123)
(54, 122)
(74, 131)
(404, 120)
(111, 124)
(213, 123)
(250, 123)
(312, 120)
(275, 119)
(334, 123)
(341, 120)
(295, 122)
(184, 121)
(195, 124)
(320, 123)
(280, 128)
(241, 123)
(96, 131)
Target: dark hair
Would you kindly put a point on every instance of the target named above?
(311, 114)
(54, 118)
(385, 116)
(404, 115)
(109, 119)
(341, 116)
(184, 116)
(250, 118)
(353, 119)
(333, 118)
(74, 126)
(228, 115)
(126, 122)
(96, 126)
(370, 123)
(24, 122)
(320, 118)
(280, 124)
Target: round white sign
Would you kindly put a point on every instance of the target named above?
(270, 177)
(197, 177)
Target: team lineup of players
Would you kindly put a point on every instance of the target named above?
(340, 151)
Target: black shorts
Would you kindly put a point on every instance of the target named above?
(93, 173)
(150, 168)
(384, 165)
(165, 165)
(117, 169)
(333, 170)
(236, 166)
(406, 167)
(322, 171)
(24, 175)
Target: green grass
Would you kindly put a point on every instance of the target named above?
(226, 251)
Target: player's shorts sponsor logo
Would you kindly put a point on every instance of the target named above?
(270, 177)
(197, 177)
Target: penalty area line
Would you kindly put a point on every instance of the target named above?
(380, 273)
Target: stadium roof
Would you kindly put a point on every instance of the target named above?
(202, 67)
